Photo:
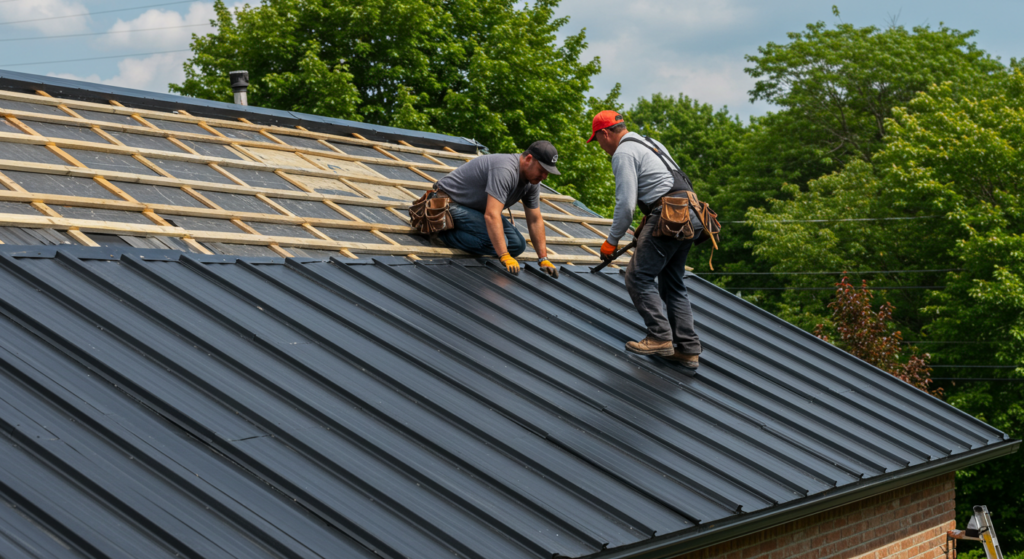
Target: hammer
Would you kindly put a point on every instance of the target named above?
(615, 256)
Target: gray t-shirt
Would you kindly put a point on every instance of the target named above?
(496, 175)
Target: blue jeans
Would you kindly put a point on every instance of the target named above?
(662, 259)
(470, 233)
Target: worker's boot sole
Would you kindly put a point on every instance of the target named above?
(642, 348)
(688, 361)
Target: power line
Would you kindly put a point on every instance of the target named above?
(937, 287)
(840, 220)
(97, 13)
(93, 58)
(948, 342)
(103, 32)
(825, 273)
(980, 379)
(974, 366)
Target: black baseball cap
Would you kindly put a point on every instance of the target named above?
(545, 154)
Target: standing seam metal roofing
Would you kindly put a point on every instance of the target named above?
(159, 404)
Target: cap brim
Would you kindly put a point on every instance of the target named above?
(549, 168)
(592, 136)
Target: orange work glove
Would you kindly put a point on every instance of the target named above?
(510, 263)
(607, 250)
(548, 268)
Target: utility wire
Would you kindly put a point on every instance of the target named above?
(825, 273)
(841, 220)
(979, 379)
(97, 13)
(103, 32)
(937, 287)
(974, 366)
(93, 58)
(948, 342)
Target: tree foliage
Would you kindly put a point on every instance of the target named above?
(834, 87)
(868, 334)
(948, 186)
(492, 70)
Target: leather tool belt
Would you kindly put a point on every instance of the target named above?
(430, 214)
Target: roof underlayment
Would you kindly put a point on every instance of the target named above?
(160, 404)
(95, 165)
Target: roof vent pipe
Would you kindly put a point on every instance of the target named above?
(240, 85)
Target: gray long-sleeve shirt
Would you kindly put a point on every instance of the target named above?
(639, 174)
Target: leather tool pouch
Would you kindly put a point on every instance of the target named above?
(430, 213)
(708, 219)
(674, 221)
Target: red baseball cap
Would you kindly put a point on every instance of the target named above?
(603, 120)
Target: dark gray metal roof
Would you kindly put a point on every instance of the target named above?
(203, 108)
(159, 404)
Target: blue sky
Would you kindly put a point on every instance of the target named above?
(649, 46)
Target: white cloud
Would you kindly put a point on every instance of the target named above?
(151, 73)
(38, 9)
(130, 34)
(695, 48)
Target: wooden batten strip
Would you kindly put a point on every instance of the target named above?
(280, 251)
(9, 183)
(155, 218)
(210, 129)
(65, 156)
(45, 209)
(175, 138)
(241, 123)
(21, 126)
(113, 189)
(152, 166)
(229, 176)
(138, 118)
(264, 132)
(182, 145)
(195, 245)
(82, 238)
(422, 174)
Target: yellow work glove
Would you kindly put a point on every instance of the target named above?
(548, 268)
(510, 263)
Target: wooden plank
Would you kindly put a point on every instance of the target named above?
(82, 238)
(195, 245)
(64, 223)
(62, 200)
(241, 123)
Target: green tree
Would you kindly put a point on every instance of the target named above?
(492, 70)
(835, 88)
(946, 191)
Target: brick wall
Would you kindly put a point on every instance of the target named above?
(908, 523)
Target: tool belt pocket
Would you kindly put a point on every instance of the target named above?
(674, 221)
(430, 214)
(708, 219)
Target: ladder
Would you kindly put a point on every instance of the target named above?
(980, 529)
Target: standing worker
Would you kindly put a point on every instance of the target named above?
(482, 188)
(644, 177)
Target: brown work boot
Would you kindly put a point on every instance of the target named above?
(651, 346)
(688, 360)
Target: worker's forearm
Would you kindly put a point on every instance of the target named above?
(496, 232)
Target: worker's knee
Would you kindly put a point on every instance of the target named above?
(516, 244)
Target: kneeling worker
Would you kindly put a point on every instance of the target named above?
(482, 188)
(643, 177)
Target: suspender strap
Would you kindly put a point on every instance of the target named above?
(681, 179)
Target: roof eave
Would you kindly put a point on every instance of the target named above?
(705, 535)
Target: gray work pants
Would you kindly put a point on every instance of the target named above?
(665, 259)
